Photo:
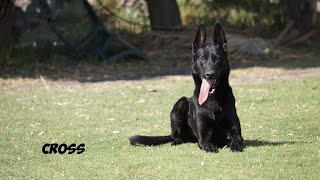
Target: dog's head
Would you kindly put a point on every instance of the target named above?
(209, 59)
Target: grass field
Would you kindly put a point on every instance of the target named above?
(280, 122)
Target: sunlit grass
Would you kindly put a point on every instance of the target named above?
(280, 122)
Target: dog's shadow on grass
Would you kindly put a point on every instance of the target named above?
(257, 143)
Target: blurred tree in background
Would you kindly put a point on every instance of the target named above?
(302, 12)
(300, 19)
(6, 21)
(164, 15)
(290, 21)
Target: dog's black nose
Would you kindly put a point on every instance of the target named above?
(210, 75)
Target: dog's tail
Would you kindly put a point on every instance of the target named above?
(150, 140)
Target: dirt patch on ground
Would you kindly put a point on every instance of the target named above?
(239, 76)
(261, 75)
(169, 54)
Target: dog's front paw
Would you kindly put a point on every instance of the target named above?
(210, 148)
(236, 147)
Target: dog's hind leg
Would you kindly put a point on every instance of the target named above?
(180, 129)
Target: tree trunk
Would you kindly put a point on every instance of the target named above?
(300, 19)
(164, 14)
(302, 12)
(6, 22)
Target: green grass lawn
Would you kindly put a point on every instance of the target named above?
(280, 123)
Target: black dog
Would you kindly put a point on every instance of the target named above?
(209, 117)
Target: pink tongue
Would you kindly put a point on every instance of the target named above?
(204, 91)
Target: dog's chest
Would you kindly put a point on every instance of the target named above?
(212, 105)
(209, 110)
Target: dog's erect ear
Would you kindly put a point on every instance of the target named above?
(199, 38)
(219, 37)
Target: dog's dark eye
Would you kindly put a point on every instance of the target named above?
(214, 58)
